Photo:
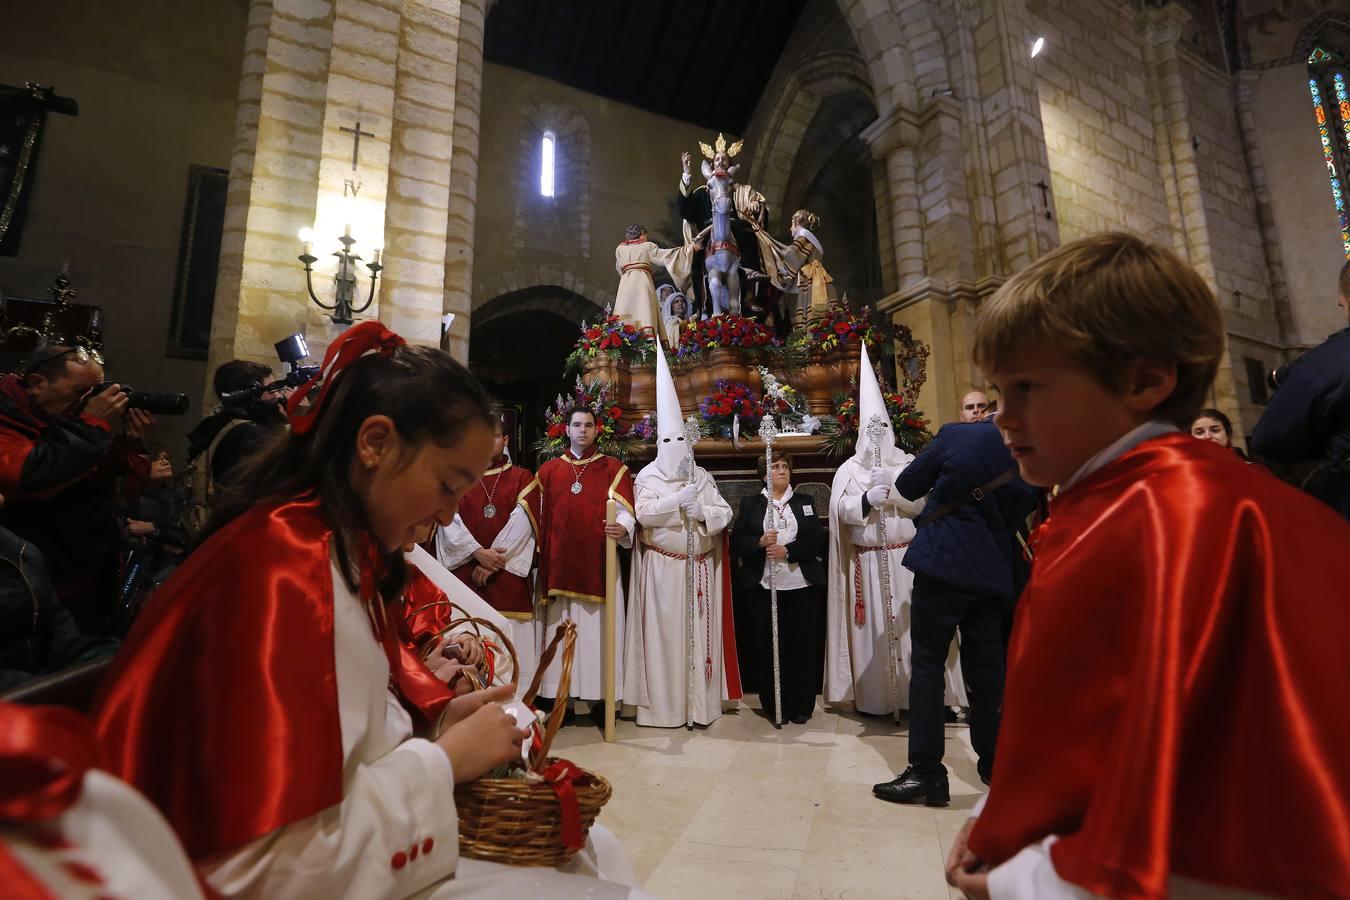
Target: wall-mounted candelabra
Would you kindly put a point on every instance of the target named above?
(344, 281)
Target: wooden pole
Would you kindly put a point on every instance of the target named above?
(611, 576)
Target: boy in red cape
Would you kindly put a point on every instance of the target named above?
(1171, 720)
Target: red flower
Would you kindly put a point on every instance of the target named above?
(556, 430)
(615, 412)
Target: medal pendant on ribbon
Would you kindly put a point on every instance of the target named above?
(576, 487)
(489, 512)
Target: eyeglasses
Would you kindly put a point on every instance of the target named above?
(82, 355)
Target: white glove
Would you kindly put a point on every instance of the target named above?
(881, 477)
(877, 496)
(693, 509)
(686, 494)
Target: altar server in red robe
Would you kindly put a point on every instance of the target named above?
(264, 700)
(68, 829)
(490, 547)
(1171, 722)
(576, 486)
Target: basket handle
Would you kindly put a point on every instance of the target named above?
(477, 625)
(567, 635)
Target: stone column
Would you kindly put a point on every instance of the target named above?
(278, 144)
(1005, 145)
(416, 213)
(457, 295)
(892, 139)
(1160, 28)
(1265, 215)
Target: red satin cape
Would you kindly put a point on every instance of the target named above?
(222, 706)
(45, 752)
(1176, 679)
(572, 538)
(512, 486)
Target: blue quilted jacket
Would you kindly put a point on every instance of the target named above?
(972, 548)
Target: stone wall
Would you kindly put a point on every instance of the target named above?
(1098, 124)
(1299, 193)
(157, 93)
(632, 173)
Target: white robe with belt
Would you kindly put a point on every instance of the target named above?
(656, 671)
(855, 655)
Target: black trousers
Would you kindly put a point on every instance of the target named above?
(801, 647)
(938, 611)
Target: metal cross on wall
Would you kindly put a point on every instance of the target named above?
(356, 134)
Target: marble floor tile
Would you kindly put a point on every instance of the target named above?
(742, 809)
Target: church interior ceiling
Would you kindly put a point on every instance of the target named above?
(700, 61)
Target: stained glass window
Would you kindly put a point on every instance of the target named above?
(1331, 107)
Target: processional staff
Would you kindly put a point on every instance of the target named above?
(876, 426)
(692, 433)
(767, 432)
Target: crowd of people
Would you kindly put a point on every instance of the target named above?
(1144, 618)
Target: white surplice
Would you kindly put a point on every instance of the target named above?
(396, 832)
(455, 545)
(115, 833)
(656, 668)
(855, 655)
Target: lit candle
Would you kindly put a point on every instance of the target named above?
(378, 251)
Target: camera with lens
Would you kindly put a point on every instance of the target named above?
(150, 401)
(292, 351)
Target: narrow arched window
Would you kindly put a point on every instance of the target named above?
(546, 164)
(1327, 80)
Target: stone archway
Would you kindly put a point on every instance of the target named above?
(500, 284)
(518, 342)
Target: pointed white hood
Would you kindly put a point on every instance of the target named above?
(870, 403)
(671, 448)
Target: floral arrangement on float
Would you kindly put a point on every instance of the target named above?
(842, 328)
(610, 338)
(611, 436)
(698, 337)
(909, 425)
(730, 402)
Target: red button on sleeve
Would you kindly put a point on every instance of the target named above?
(413, 851)
(400, 860)
(427, 845)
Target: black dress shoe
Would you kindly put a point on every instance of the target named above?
(913, 787)
(802, 719)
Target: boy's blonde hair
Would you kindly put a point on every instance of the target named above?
(1106, 301)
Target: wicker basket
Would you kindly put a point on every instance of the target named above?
(521, 823)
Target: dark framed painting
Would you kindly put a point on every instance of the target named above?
(194, 291)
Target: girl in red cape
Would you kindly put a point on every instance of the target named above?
(264, 701)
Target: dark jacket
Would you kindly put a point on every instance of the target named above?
(1308, 420)
(38, 635)
(258, 425)
(972, 549)
(59, 480)
(807, 551)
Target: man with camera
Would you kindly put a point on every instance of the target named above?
(245, 420)
(1308, 419)
(59, 465)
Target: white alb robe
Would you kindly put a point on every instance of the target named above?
(588, 673)
(398, 794)
(455, 545)
(118, 834)
(656, 671)
(855, 655)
